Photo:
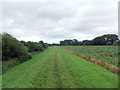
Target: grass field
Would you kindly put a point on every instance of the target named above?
(57, 68)
(108, 54)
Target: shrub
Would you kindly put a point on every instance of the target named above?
(12, 48)
(33, 46)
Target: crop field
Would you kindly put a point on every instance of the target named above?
(107, 54)
(57, 68)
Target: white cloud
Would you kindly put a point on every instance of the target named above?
(53, 21)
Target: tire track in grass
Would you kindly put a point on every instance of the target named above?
(66, 74)
(62, 76)
(56, 75)
(53, 73)
(48, 77)
(43, 78)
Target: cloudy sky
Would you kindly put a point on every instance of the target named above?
(52, 21)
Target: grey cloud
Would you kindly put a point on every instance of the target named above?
(54, 21)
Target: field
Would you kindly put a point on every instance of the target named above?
(107, 54)
(57, 68)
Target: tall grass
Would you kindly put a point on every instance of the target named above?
(107, 54)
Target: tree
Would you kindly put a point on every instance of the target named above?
(61, 43)
(103, 40)
(75, 42)
(34, 46)
(43, 44)
(117, 43)
(86, 42)
(80, 43)
(111, 38)
(12, 48)
(67, 42)
(109, 43)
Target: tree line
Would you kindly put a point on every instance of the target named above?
(107, 39)
(13, 48)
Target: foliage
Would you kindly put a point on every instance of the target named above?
(108, 39)
(103, 40)
(117, 43)
(15, 52)
(6, 65)
(44, 45)
(12, 48)
(35, 46)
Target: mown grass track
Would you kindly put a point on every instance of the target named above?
(57, 68)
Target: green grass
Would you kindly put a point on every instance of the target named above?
(57, 68)
(108, 54)
(8, 64)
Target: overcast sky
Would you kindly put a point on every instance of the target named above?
(52, 21)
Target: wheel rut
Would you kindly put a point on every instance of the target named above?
(56, 75)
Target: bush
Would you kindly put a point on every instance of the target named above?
(12, 48)
(33, 46)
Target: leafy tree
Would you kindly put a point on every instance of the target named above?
(107, 39)
(67, 42)
(34, 46)
(86, 42)
(43, 44)
(61, 43)
(80, 43)
(117, 43)
(75, 42)
(103, 40)
(111, 38)
(12, 48)
(109, 43)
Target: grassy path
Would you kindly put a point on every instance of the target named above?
(56, 68)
